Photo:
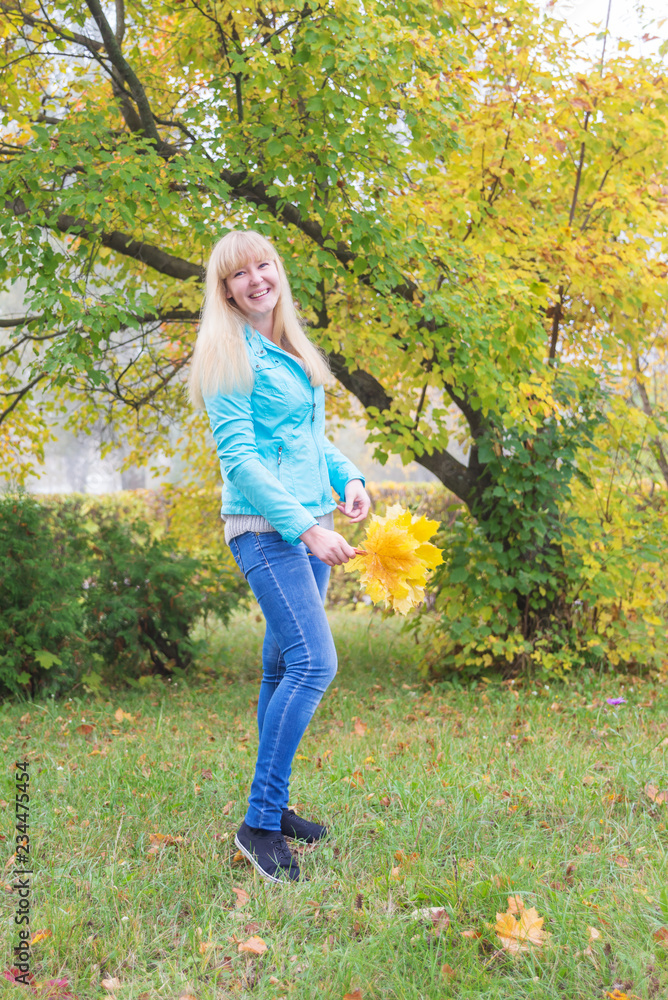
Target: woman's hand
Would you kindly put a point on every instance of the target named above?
(357, 502)
(329, 546)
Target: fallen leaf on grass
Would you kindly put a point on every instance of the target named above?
(355, 780)
(119, 715)
(471, 934)
(661, 936)
(159, 841)
(242, 896)
(207, 774)
(519, 935)
(355, 995)
(40, 936)
(439, 918)
(114, 982)
(621, 860)
(187, 996)
(227, 807)
(239, 857)
(652, 792)
(85, 729)
(165, 839)
(448, 971)
(254, 945)
(11, 976)
(359, 727)
(384, 800)
(56, 989)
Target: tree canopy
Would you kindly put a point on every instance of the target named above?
(472, 210)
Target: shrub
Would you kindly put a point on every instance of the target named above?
(89, 588)
(41, 606)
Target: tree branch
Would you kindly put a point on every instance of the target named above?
(660, 455)
(146, 253)
(458, 478)
(127, 74)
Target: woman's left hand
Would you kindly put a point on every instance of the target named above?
(357, 502)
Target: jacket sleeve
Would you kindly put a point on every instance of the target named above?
(340, 469)
(232, 427)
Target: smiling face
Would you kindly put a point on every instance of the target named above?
(255, 289)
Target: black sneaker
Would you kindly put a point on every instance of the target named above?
(293, 825)
(268, 853)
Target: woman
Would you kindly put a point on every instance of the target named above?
(261, 380)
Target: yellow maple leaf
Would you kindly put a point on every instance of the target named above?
(397, 558)
(520, 935)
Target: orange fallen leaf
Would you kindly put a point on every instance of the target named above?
(384, 800)
(661, 936)
(471, 934)
(187, 996)
(355, 995)
(448, 971)
(119, 715)
(85, 729)
(519, 935)
(111, 983)
(207, 774)
(227, 807)
(617, 995)
(254, 945)
(164, 839)
(239, 856)
(515, 904)
(621, 860)
(40, 936)
(359, 727)
(242, 896)
(652, 792)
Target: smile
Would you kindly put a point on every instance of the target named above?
(258, 295)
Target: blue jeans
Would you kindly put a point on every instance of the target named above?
(298, 659)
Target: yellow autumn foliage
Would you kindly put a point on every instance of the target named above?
(396, 559)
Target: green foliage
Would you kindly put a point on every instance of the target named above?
(41, 607)
(602, 602)
(91, 596)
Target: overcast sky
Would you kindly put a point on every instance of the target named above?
(628, 19)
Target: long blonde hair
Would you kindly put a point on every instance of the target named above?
(220, 362)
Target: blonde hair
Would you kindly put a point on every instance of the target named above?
(220, 362)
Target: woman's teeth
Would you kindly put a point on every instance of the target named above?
(258, 295)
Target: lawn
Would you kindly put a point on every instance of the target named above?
(442, 804)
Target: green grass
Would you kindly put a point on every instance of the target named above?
(494, 792)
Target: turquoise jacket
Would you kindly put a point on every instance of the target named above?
(274, 457)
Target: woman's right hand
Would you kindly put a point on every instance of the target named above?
(329, 546)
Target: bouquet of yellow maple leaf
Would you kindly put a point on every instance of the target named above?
(396, 558)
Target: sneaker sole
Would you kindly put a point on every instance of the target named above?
(256, 864)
